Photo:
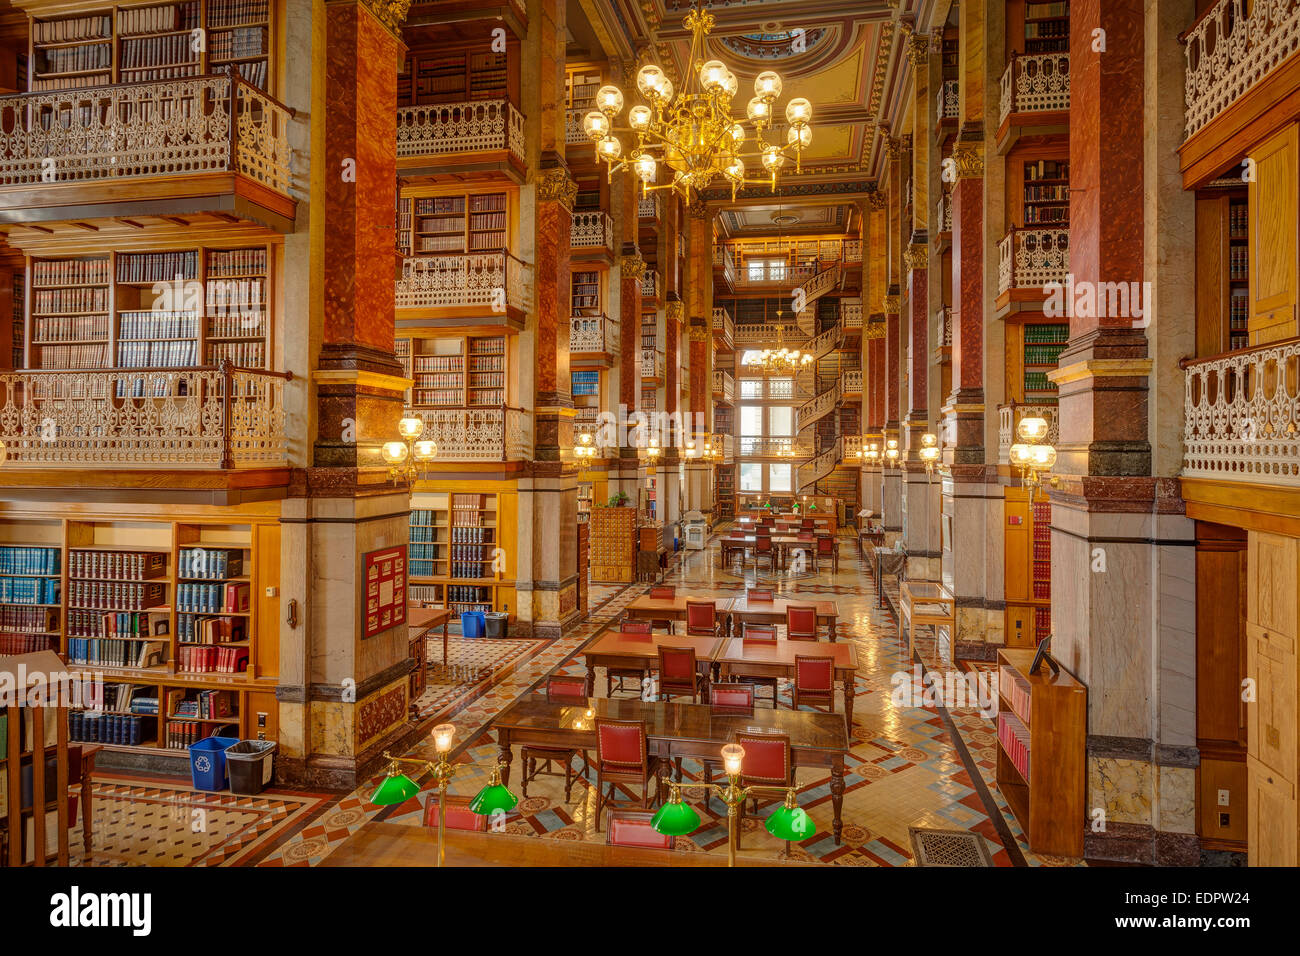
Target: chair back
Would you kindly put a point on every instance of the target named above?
(663, 592)
(759, 633)
(800, 622)
(732, 697)
(677, 667)
(633, 828)
(701, 617)
(566, 690)
(621, 743)
(825, 544)
(805, 535)
(459, 815)
(763, 544)
(808, 524)
(767, 758)
(816, 674)
(759, 594)
(633, 626)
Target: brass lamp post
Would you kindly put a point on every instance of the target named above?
(402, 456)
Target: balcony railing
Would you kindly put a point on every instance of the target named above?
(476, 434)
(852, 251)
(489, 280)
(592, 333)
(723, 323)
(851, 313)
(649, 207)
(761, 334)
(1009, 417)
(201, 124)
(853, 381)
(753, 447)
(725, 259)
(650, 284)
(208, 417)
(592, 229)
(724, 385)
(1031, 258)
(808, 474)
(574, 134)
(943, 319)
(948, 105)
(1242, 415)
(1036, 83)
(478, 126)
(652, 363)
(1231, 48)
(943, 212)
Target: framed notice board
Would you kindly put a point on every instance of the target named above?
(385, 590)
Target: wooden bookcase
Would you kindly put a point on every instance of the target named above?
(1028, 568)
(613, 544)
(149, 42)
(1038, 26)
(160, 308)
(453, 551)
(1041, 760)
(453, 224)
(459, 371)
(586, 295)
(580, 86)
(1046, 194)
(1043, 344)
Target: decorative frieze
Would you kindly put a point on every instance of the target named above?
(916, 256)
(632, 267)
(968, 159)
(892, 304)
(556, 185)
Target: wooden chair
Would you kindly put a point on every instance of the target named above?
(808, 524)
(621, 757)
(763, 551)
(536, 761)
(759, 594)
(827, 549)
(459, 815)
(638, 674)
(663, 592)
(632, 828)
(814, 681)
(758, 634)
(800, 622)
(702, 619)
(767, 763)
(732, 698)
(679, 674)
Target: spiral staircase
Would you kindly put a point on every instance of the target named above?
(823, 393)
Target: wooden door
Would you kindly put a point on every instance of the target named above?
(1274, 212)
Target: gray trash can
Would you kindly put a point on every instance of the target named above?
(248, 764)
(497, 624)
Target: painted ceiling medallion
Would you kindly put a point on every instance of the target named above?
(777, 45)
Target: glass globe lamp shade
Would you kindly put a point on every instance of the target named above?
(610, 148)
(646, 167)
(800, 136)
(1021, 454)
(798, 110)
(737, 133)
(410, 427)
(768, 85)
(394, 452)
(610, 100)
(638, 117)
(650, 81)
(426, 450)
(735, 170)
(443, 735)
(733, 756)
(730, 85)
(928, 440)
(666, 91)
(713, 75)
(773, 158)
(1032, 429)
(596, 125)
(1042, 456)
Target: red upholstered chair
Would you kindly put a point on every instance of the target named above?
(459, 815)
(814, 681)
(537, 761)
(621, 757)
(827, 550)
(763, 551)
(702, 619)
(759, 634)
(679, 674)
(632, 828)
(732, 698)
(619, 674)
(663, 592)
(800, 622)
(808, 524)
(759, 594)
(767, 764)
(631, 625)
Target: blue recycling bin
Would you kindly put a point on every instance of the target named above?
(473, 623)
(208, 762)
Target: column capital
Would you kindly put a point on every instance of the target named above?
(632, 266)
(892, 304)
(556, 185)
(893, 148)
(916, 256)
(968, 158)
(698, 331)
(391, 13)
(877, 200)
(699, 210)
(673, 310)
(918, 49)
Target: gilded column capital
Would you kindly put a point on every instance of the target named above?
(699, 210)
(968, 159)
(556, 185)
(892, 304)
(698, 332)
(632, 267)
(918, 48)
(391, 13)
(916, 256)
(893, 149)
(673, 310)
(877, 200)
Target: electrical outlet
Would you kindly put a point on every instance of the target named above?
(261, 720)
(272, 591)
(1223, 821)
(1223, 798)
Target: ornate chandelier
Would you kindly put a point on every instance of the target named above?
(694, 132)
(779, 360)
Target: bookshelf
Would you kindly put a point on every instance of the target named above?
(1047, 194)
(725, 492)
(1238, 272)
(1040, 576)
(586, 293)
(18, 315)
(485, 376)
(31, 587)
(613, 544)
(152, 42)
(580, 86)
(71, 311)
(585, 383)
(449, 76)
(453, 225)
(453, 552)
(1047, 27)
(459, 372)
(1041, 726)
(1043, 344)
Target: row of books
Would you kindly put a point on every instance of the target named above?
(1016, 690)
(14, 618)
(237, 326)
(487, 241)
(1038, 382)
(1034, 215)
(253, 71)
(1047, 30)
(72, 28)
(25, 560)
(157, 354)
(1047, 8)
(129, 624)
(157, 19)
(440, 244)
(468, 592)
(69, 328)
(157, 325)
(243, 354)
(25, 643)
(1047, 332)
(1047, 169)
(488, 380)
(193, 629)
(1015, 741)
(228, 13)
(442, 224)
(116, 652)
(1042, 354)
(435, 398)
(173, 49)
(207, 703)
(210, 563)
(182, 733)
(238, 43)
(1238, 263)
(114, 595)
(439, 379)
(116, 565)
(227, 293)
(487, 220)
(64, 301)
(440, 205)
(1239, 312)
(155, 74)
(94, 728)
(438, 363)
(29, 590)
(1058, 193)
(235, 262)
(209, 659)
(157, 266)
(487, 363)
(1238, 219)
(471, 535)
(487, 396)
(77, 59)
(212, 598)
(488, 202)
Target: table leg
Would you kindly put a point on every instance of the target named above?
(832, 628)
(665, 772)
(837, 796)
(850, 689)
(444, 644)
(591, 679)
(504, 756)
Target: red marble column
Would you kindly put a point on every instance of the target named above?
(631, 269)
(966, 412)
(553, 428)
(893, 363)
(673, 332)
(918, 300)
(876, 385)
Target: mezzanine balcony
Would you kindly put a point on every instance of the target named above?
(724, 387)
(473, 136)
(651, 288)
(592, 337)
(1035, 93)
(495, 284)
(652, 365)
(1029, 259)
(201, 144)
(591, 235)
(724, 329)
(476, 434)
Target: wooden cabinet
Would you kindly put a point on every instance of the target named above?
(1274, 212)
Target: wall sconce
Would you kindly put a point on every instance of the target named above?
(690, 449)
(871, 453)
(402, 456)
(652, 449)
(585, 449)
(1032, 456)
(929, 453)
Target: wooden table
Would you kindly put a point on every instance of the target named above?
(869, 540)
(773, 612)
(669, 609)
(422, 620)
(616, 649)
(396, 844)
(781, 545)
(925, 603)
(677, 730)
(777, 660)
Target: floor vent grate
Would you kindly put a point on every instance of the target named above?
(948, 848)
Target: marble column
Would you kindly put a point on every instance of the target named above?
(631, 268)
(891, 478)
(344, 698)
(699, 311)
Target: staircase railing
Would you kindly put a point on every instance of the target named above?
(818, 407)
(827, 341)
(815, 469)
(821, 283)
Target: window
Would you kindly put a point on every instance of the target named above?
(778, 477)
(780, 420)
(751, 387)
(751, 419)
(780, 388)
(751, 476)
(765, 270)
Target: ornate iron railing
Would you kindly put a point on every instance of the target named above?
(792, 448)
(592, 333)
(476, 434)
(650, 284)
(1242, 415)
(574, 134)
(201, 124)
(818, 407)
(652, 363)
(761, 334)
(944, 318)
(204, 417)
(1036, 83)
(591, 229)
(724, 385)
(852, 250)
(851, 313)
(1031, 258)
(1233, 46)
(649, 207)
(853, 381)
(1009, 417)
(943, 212)
(948, 102)
(492, 280)
(808, 474)
(436, 129)
(724, 323)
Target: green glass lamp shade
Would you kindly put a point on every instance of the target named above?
(492, 798)
(395, 788)
(790, 823)
(675, 819)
